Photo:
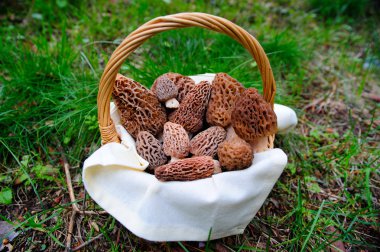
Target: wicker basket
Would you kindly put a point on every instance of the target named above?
(210, 208)
(176, 21)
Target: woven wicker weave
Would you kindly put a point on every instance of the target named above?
(170, 22)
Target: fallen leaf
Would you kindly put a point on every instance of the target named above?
(337, 246)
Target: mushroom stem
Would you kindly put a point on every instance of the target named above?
(231, 133)
(172, 103)
(217, 168)
(173, 159)
(260, 144)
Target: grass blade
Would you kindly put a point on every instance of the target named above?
(312, 226)
(183, 246)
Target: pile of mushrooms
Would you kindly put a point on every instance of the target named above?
(189, 131)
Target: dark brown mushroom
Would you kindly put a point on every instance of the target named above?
(224, 93)
(188, 169)
(139, 107)
(234, 153)
(192, 109)
(253, 117)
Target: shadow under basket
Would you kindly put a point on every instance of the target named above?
(199, 210)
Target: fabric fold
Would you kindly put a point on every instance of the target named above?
(179, 211)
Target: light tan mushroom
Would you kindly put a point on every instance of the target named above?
(139, 107)
(192, 109)
(253, 118)
(149, 148)
(234, 153)
(166, 91)
(224, 93)
(206, 142)
(188, 169)
(176, 141)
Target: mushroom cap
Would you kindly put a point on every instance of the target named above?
(164, 88)
(150, 148)
(206, 142)
(186, 169)
(176, 140)
(183, 83)
(192, 109)
(173, 76)
(224, 93)
(235, 154)
(139, 107)
(253, 117)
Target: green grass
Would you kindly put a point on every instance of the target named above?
(341, 10)
(52, 54)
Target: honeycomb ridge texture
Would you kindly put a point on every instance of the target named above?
(186, 169)
(253, 117)
(193, 107)
(176, 140)
(225, 90)
(206, 142)
(150, 148)
(139, 107)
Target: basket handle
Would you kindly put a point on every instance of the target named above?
(170, 22)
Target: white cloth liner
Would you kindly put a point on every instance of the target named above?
(219, 206)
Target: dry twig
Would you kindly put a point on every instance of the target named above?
(66, 167)
(74, 204)
(70, 231)
(87, 242)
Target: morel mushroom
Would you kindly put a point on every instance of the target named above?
(166, 91)
(173, 76)
(149, 148)
(176, 141)
(192, 109)
(183, 83)
(188, 169)
(206, 143)
(224, 92)
(253, 117)
(139, 107)
(234, 153)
